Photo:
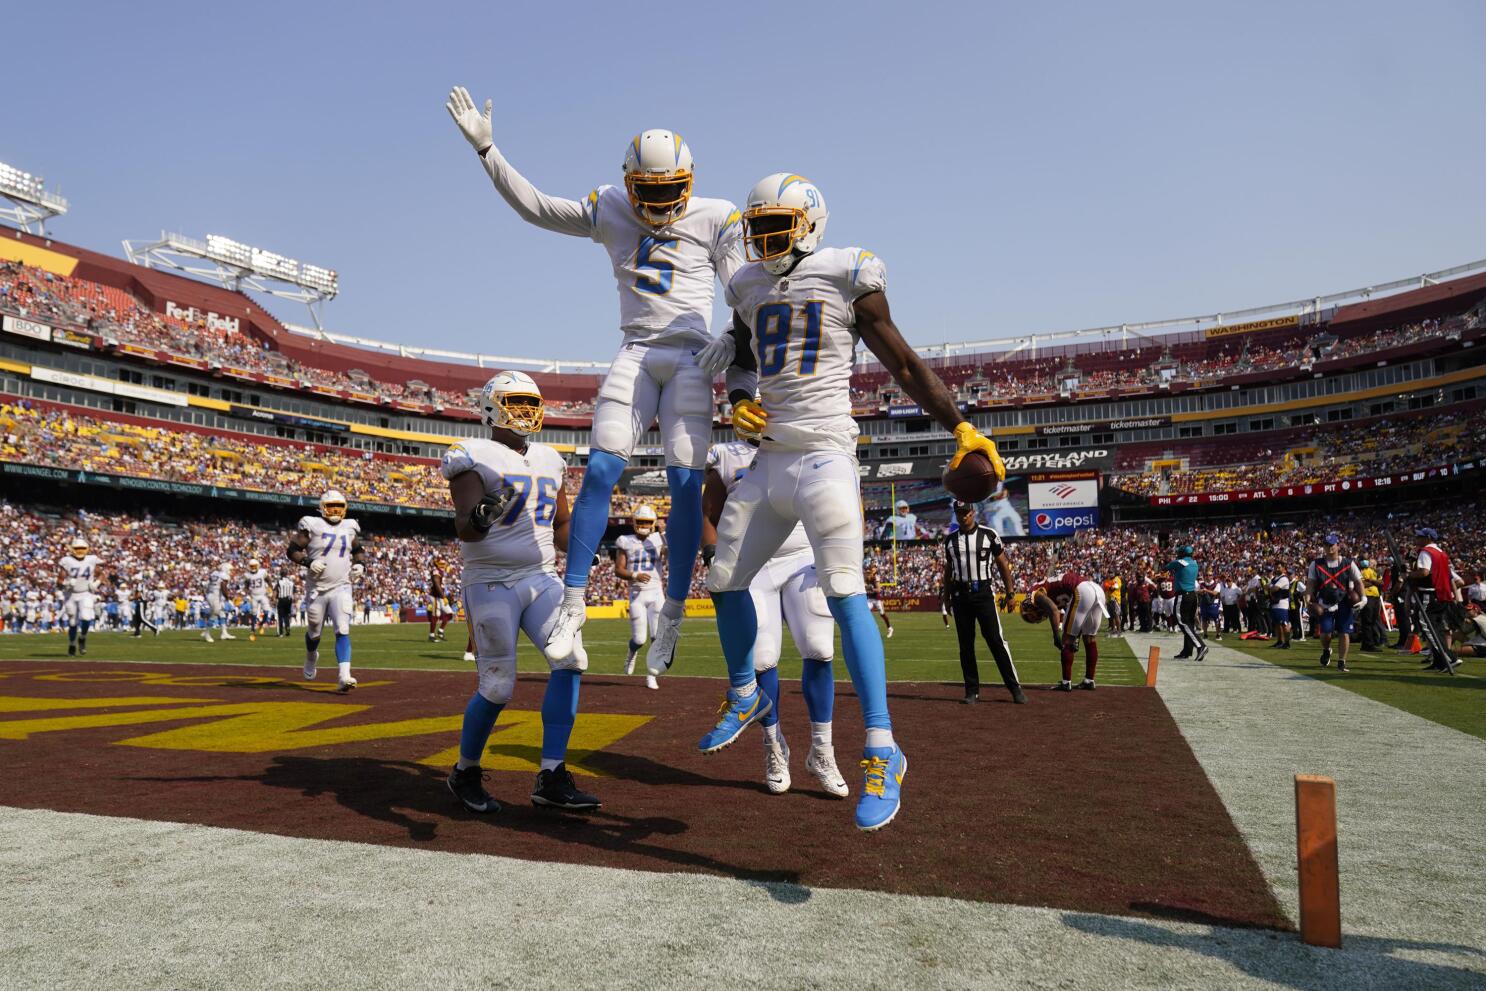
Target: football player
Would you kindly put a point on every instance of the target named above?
(440, 612)
(1076, 609)
(667, 248)
(798, 311)
(257, 579)
(874, 596)
(80, 593)
(637, 560)
(511, 515)
(215, 614)
(330, 546)
(786, 587)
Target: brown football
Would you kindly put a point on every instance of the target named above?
(973, 480)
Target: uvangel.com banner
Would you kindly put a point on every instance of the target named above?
(1317, 488)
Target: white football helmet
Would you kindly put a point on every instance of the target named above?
(644, 520)
(226, 569)
(253, 564)
(79, 548)
(512, 401)
(657, 176)
(333, 506)
(784, 219)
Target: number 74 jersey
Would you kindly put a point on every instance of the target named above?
(804, 333)
(331, 543)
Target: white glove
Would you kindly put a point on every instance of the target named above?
(717, 355)
(475, 125)
(317, 567)
(357, 570)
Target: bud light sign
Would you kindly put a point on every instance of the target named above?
(1062, 522)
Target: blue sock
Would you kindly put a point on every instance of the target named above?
(591, 515)
(634, 646)
(72, 634)
(311, 643)
(342, 648)
(683, 529)
(819, 686)
(559, 710)
(479, 720)
(768, 683)
(737, 628)
(862, 646)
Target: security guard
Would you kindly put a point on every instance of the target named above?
(970, 552)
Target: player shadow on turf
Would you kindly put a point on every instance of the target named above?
(1282, 959)
(399, 792)
(643, 770)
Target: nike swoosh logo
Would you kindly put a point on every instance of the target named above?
(818, 464)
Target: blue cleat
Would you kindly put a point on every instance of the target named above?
(881, 791)
(737, 715)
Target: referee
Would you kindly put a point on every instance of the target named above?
(285, 590)
(1184, 581)
(969, 554)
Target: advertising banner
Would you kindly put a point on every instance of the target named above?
(26, 328)
(1316, 488)
(72, 338)
(1253, 325)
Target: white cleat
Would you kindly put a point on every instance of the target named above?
(663, 647)
(311, 664)
(629, 662)
(651, 683)
(889, 632)
(346, 684)
(227, 636)
(822, 763)
(469, 655)
(776, 765)
(207, 636)
(570, 617)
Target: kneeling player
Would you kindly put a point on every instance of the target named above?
(637, 560)
(1076, 608)
(511, 514)
(787, 588)
(330, 546)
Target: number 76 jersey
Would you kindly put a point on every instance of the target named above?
(331, 543)
(519, 544)
(804, 333)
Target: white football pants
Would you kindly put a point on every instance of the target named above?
(80, 607)
(496, 613)
(646, 381)
(333, 606)
(644, 609)
(1089, 610)
(788, 586)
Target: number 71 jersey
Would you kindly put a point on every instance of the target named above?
(331, 543)
(804, 333)
(519, 544)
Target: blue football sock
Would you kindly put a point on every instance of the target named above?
(634, 645)
(862, 646)
(559, 710)
(768, 683)
(591, 515)
(479, 720)
(72, 634)
(737, 628)
(342, 648)
(683, 529)
(311, 643)
(819, 686)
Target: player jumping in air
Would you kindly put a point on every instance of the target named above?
(667, 249)
(799, 310)
(330, 546)
(80, 590)
(511, 515)
(637, 560)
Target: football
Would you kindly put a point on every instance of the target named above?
(973, 481)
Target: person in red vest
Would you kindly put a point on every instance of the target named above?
(1439, 587)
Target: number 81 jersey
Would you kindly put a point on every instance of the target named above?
(804, 336)
(519, 545)
(329, 542)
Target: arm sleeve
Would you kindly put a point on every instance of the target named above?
(536, 207)
(742, 374)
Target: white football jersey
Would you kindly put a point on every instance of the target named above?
(78, 574)
(257, 583)
(804, 337)
(519, 545)
(331, 543)
(215, 579)
(731, 461)
(642, 555)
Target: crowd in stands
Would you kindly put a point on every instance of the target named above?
(1329, 453)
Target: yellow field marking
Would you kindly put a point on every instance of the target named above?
(193, 680)
(17, 703)
(516, 744)
(16, 674)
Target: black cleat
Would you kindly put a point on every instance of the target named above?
(1063, 686)
(1202, 652)
(970, 698)
(1342, 667)
(1018, 696)
(72, 650)
(466, 786)
(1086, 685)
(1181, 657)
(556, 790)
(1326, 658)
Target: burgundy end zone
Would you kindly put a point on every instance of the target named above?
(1089, 801)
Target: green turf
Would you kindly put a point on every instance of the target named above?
(1390, 678)
(920, 650)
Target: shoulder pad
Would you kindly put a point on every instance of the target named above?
(457, 460)
(866, 272)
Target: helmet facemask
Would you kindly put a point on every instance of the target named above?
(658, 198)
(519, 412)
(770, 235)
(333, 507)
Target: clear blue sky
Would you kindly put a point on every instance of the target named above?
(1019, 167)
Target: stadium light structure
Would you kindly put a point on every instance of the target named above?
(457, 357)
(238, 266)
(28, 203)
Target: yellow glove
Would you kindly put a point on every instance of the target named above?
(749, 420)
(968, 439)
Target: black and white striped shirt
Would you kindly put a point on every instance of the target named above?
(971, 556)
(286, 587)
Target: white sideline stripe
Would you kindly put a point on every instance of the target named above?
(91, 901)
(1410, 793)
